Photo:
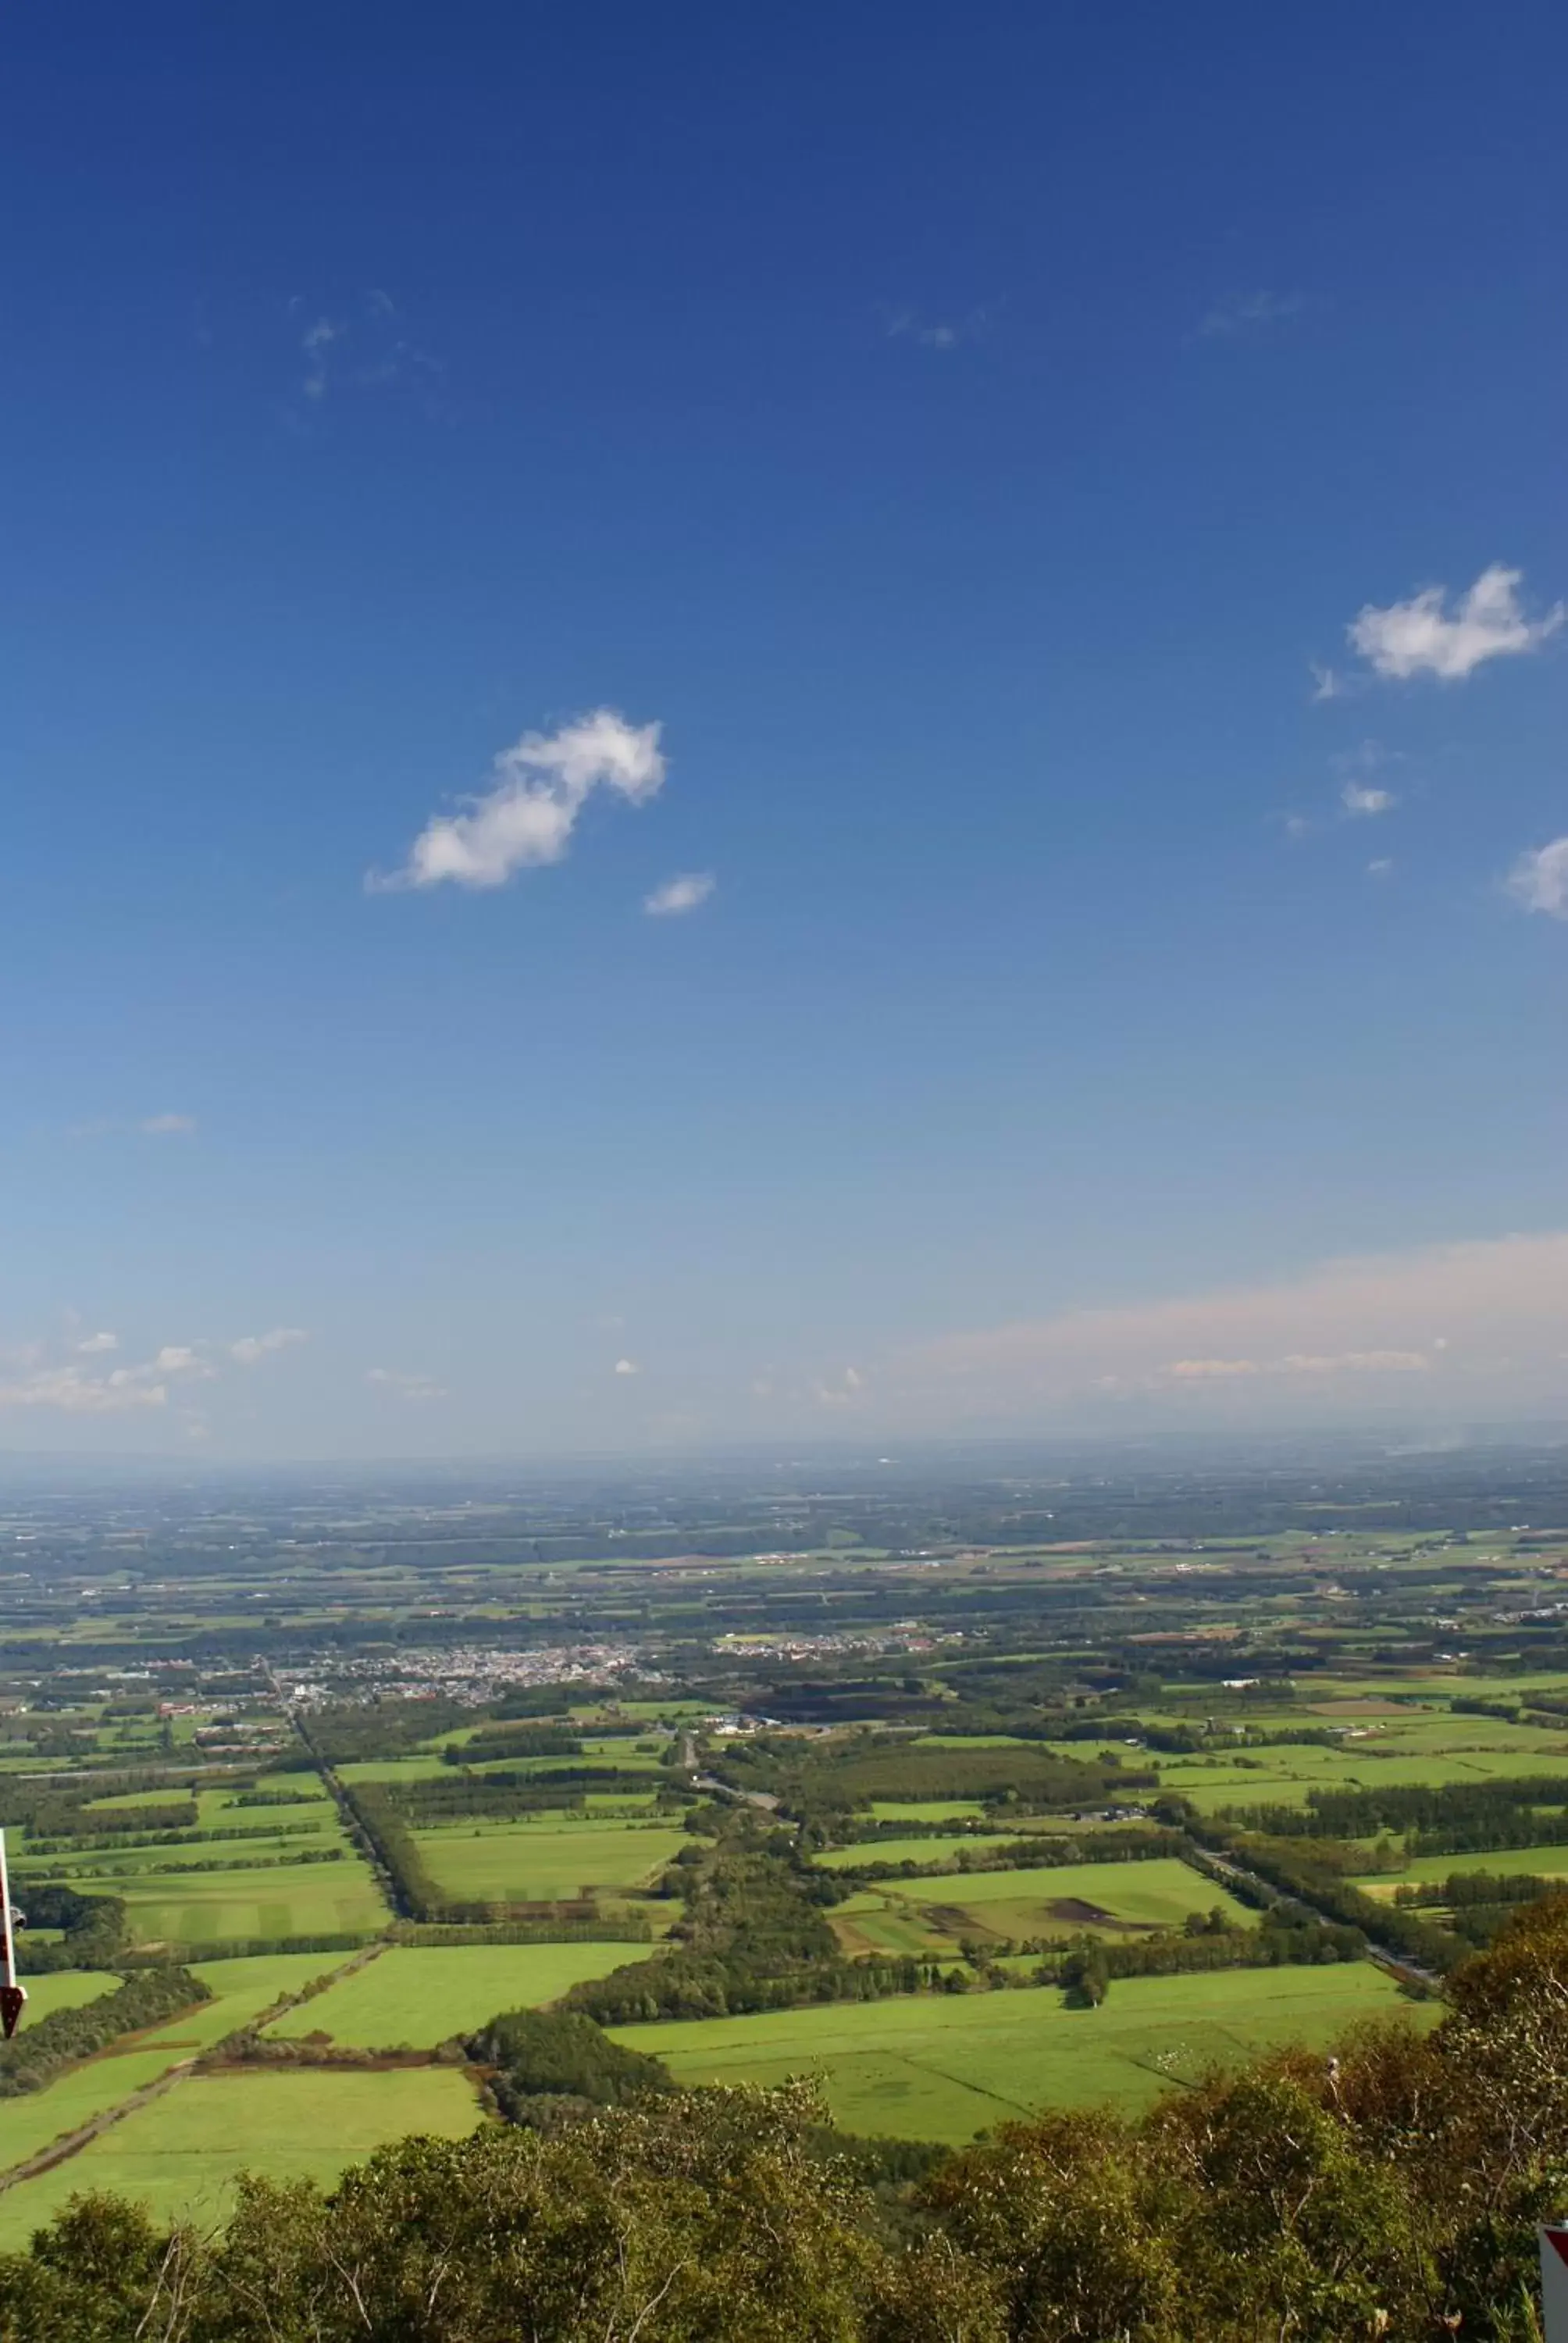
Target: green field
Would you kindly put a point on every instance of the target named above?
(521, 1862)
(927, 1810)
(61, 1989)
(899, 1850)
(1541, 1862)
(418, 1996)
(180, 2153)
(945, 2068)
(209, 1908)
(918, 1915)
(242, 1990)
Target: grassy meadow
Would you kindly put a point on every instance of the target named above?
(945, 2068)
(415, 1997)
(552, 1858)
(179, 2154)
(1105, 1899)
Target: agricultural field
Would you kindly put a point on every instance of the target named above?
(242, 1991)
(948, 2066)
(180, 2153)
(1103, 1899)
(550, 1859)
(212, 1908)
(415, 1997)
(63, 1989)
(1539, 1862)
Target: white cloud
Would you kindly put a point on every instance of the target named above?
(1358, 798)
(1474, 1324)
(1248, 313)
(686, 892)
(1326, 683)
(316, 341)
(540, 786)
(1381, 867)
(167, 1126)
(626, 1367)
(72, 1392)
(933, 333)
(1419, 637)
(410, 1387)
(73, 1389)
(252, 1348)
(1539, 880)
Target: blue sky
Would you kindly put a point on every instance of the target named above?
(1048, 521)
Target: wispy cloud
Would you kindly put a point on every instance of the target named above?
(361, 344)
(315, 343)
(1539, 880)
(538, 788)
(97, 1346)
(1419, 637)
(626, 1367)
(1360, 799)
(1327, 682)
(1381, 867)
(687, 892)
(167, 1126)
(1237, 313)
(1471, 1323)
(251, 1349)
(901, 324)
(413, 1388)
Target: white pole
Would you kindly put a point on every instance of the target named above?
(1555, 2281)
(12, 1994)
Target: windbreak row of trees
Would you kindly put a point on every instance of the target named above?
(1438, 1818)
(35, 2055)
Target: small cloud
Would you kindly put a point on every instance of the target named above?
(1380, 868)
(626, 1367)
(683, 893)
(1196, 1370)
(316, 341)
(527, 817)
(361, 348)
(94, 1346)
(413, 1388)
(1297, 826)
(1326, 683)
(901, 324)
(167, 1126)
(1539, 880)
(175, 1359)
(1238, 313)
(252, 1348)
(1360, 799)
(1419, 637)
(843, 1393)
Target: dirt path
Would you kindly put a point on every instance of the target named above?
(71, 2143)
